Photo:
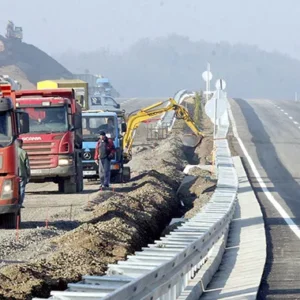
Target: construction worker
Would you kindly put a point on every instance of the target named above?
(24, 170)
(104, 153)
(111, 127)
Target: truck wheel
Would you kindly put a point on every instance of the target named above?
(118, 178)
(126, 174)
(79, 181)
(10, 220)
(61, 187)
(70, 185)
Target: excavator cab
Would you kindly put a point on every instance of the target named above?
(18, 33)
(13, 32)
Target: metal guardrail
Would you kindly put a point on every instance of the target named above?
(162, 270)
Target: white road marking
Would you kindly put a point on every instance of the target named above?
(286, 113)
(263, 186)
(296, 123)
(282, 110)
(291, 118)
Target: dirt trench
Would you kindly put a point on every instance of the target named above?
(115, 223)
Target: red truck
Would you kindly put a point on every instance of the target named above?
(54, 141)
(12, 123)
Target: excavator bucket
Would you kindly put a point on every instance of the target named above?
(191, 140)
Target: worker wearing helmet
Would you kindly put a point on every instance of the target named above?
(104, 153)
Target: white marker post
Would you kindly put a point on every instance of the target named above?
(220, 86)
(208, 81)
(207, 77)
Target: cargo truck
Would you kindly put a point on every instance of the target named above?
(12, 123)
(54, 141)
(79, 86)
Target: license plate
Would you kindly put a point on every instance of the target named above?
(89, 172)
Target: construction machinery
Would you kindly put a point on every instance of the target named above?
(13, 32)
(123, 134)
(12, 123)
(113, 124)
(79, 86)
(137, 117)
(54, 141)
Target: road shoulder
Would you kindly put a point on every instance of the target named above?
(243, 262)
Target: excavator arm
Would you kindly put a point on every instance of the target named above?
(136, 118)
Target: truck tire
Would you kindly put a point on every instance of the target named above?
(70, 185)
(126, 174)
(10, 220)
(79, 173)
(61, 187)
(79, 181)
(118, 178)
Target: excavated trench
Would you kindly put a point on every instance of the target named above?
(114, 224)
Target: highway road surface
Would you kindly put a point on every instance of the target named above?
(269, 134)
(132, 104)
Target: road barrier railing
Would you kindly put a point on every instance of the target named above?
(163, 269)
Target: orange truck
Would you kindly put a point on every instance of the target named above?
(12, 123)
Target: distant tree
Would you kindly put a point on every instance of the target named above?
(162, 66)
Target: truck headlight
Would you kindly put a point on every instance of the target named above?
(65, 161)
(7, 189)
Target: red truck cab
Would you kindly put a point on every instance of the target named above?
(11, 124)
(54, 140)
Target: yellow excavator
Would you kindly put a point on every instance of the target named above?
(136, 118)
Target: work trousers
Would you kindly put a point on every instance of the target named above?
(104, 171)
(22, 190)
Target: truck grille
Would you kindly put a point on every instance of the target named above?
(40, 161)
(39, 155)
(38, 148)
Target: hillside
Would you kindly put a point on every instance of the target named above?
(28, 64)
(161, 66)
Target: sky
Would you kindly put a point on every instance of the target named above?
(57, 26)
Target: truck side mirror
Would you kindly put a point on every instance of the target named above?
(23, 122)
(77, 122)
(124, 127)
(118, 105)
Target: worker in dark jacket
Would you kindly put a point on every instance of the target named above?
(104, 153)
(24, 170)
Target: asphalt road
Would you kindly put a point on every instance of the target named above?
(270, 132)
(132, 104)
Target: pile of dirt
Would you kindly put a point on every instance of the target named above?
(17, 74)
(115, 224)
(31, 63)
(168, 157)
(195, 192)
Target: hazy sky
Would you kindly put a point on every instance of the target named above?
(59, 25)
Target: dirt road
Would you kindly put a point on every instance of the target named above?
(87, 231)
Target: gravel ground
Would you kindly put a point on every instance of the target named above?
(113, 224)
(44, 206)
(87, 231)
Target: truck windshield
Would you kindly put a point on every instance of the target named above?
(5, 129)
(91, 126)
(48, 119)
